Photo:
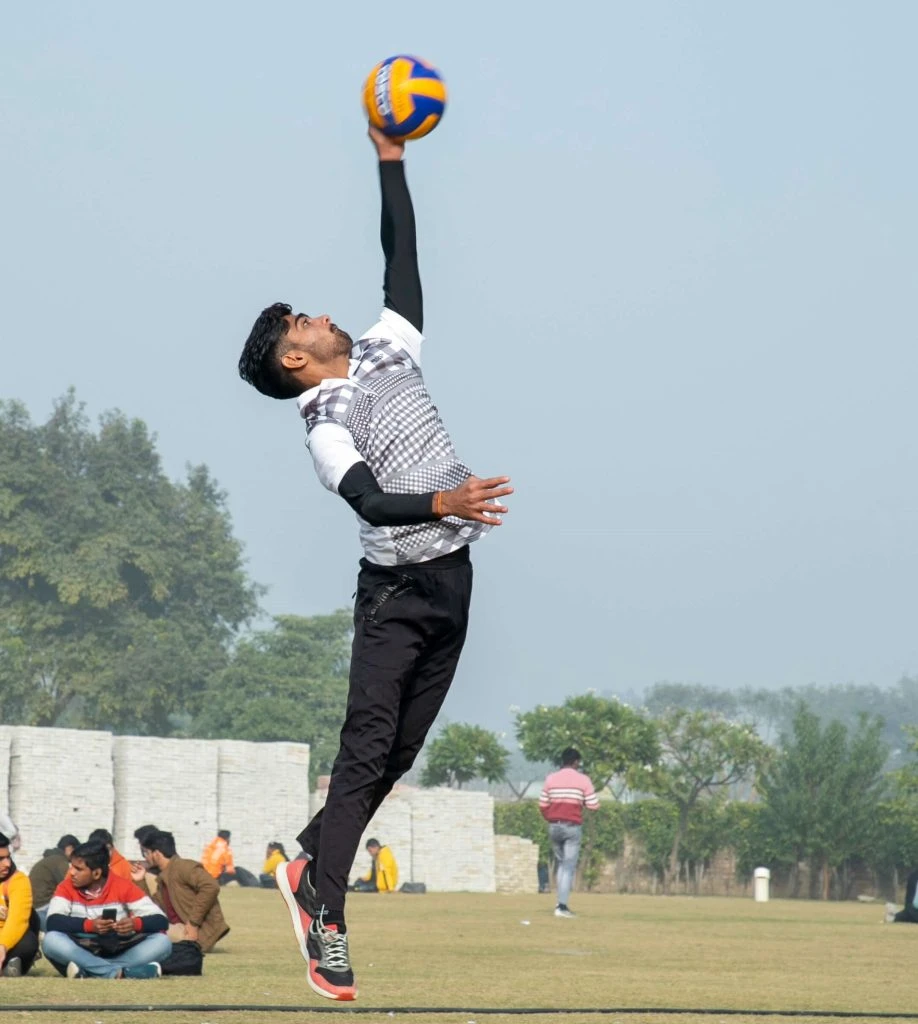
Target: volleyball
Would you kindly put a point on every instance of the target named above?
(404, 97)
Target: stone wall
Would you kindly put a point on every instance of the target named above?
(169, 783)
(54, 781)
(60, 780)
(262, 796)
(516, 863)
(441, 837)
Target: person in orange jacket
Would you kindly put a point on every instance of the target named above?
(217, 858)
(18, 920)
(118, 865)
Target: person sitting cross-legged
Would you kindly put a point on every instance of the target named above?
(102, 926)
(48, 873)
(18, 921)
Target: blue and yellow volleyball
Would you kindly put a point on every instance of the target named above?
(404, 97)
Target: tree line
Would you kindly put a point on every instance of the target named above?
(690, 782)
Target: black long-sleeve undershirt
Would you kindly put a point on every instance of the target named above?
(402, 282)
(402, 291)
(361, 491)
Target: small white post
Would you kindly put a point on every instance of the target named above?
(760, 880)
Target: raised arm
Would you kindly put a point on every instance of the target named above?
(402, 282)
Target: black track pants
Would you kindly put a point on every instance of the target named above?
(410, 623)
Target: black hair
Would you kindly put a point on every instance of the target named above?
(373, 842)
(66, 841)
(570, 756)
(259, 364)
(224, 834)
(140, 833)
(280, 849)
(94, 855)
(3, 841)
(160, 842)
(100, 835)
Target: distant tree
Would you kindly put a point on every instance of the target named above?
(461, 753)
(702, 755)
(612, 738)
(120, 591)
(662, 697)
(822, 793)
(286, 683)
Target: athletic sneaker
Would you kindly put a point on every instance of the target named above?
(142, 971)
(73, 971)
(293, 884)
(13, 968)
(563, 910)
(330, 973)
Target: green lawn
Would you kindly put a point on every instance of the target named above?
(474, 951)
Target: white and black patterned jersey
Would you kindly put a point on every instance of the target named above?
(381, 414)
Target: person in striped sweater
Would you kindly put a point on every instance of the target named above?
(565, 793)
(102, 926)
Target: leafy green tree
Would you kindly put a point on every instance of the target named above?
(822, 792)
(464, 752)
(286, 683)
(702, 755)
(612, 738)
(120, 590)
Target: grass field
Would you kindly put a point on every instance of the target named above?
(477, 951)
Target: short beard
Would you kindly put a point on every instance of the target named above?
(339, 344)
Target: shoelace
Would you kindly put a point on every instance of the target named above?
(336, 956)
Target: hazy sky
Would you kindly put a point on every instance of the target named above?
(670, 271)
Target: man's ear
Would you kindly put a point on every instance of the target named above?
(294, 359)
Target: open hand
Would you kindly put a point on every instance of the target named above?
(474, 500)
(387, 148)
(138, 871)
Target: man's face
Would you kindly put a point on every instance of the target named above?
(81, 875)
(318, 336)
(6, 863)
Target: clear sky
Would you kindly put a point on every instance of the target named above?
(670, 272)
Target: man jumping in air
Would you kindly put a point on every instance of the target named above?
(377, 440)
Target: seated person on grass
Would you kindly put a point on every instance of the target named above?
(103, 926)
(275, 855)
(48, 873)
(383, 873)
(117, 864)
(18, 921)
(186, 893)
(217, 858)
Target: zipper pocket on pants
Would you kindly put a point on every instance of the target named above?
(386, 593)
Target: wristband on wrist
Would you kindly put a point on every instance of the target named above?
(438, 504)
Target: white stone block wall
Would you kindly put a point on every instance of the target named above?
(393, 826)
(453, 840)
(60, 780)
(441, 837)
(6, 739)
(170, 783)
(262, 796)
(516, 863)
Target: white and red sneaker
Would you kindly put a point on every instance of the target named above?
(293, 881)
(330, 973)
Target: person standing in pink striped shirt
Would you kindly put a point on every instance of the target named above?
(563, 798)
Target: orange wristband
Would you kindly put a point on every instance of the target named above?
(438, 504)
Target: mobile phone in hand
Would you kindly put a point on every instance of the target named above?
(109, 914)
